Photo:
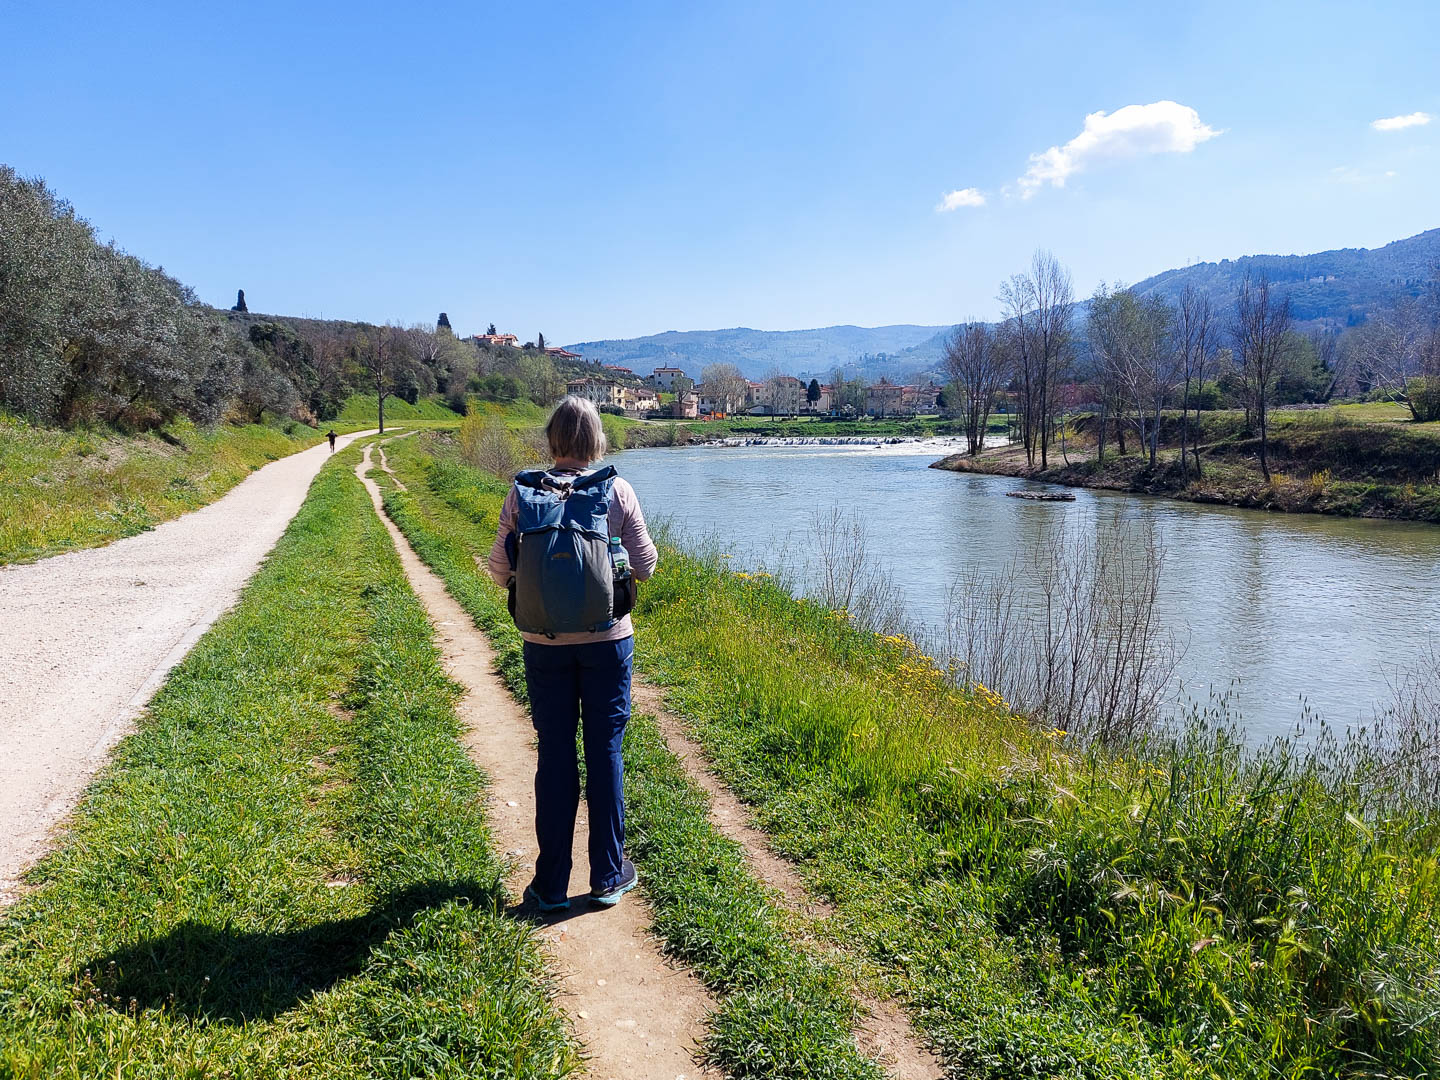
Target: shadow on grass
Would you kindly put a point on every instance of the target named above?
(220, 975)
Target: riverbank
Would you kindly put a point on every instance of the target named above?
(1040, 909)
(1318, 464)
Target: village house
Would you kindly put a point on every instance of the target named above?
(639, 399)
(821, 406)
(664, 378)
(562, 354)
(686, 405)
(600, 391)
(920, 399)
(492, 340)
(884, 398)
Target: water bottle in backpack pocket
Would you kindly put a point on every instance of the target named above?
(564, 561)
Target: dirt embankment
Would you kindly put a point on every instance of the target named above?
(1348, 470)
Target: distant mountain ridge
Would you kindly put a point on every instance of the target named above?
(755, 352)
(1340, 287)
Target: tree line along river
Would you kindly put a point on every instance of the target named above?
(1281, 611)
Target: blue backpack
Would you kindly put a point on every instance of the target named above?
(568, 574)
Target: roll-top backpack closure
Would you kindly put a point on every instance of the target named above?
(563, 576)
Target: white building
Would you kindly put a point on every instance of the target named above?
(664, 377)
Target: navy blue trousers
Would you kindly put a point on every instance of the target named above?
(569, 684)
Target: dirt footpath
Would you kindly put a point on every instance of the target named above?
(639, 1016)
(87, 637)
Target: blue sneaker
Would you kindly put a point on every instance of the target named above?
(629, 878)
(544, 905)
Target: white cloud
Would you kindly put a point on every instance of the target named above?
(961, 197)
(1162, 127)
(1400, 123)
(1349, 174)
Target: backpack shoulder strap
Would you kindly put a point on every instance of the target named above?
(532, 478)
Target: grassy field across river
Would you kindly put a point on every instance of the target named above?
(1186, 909)
(1352, 461)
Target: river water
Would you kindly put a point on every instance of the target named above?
(1281, 611)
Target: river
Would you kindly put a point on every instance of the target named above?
(1283, 611)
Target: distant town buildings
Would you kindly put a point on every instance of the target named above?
(512, 342)
(631, 399)
(778, 395)
(785, 395)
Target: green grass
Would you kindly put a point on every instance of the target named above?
(1190, 911)
(67, 489)
(285, 872)
(362, 409)
(785, 1012)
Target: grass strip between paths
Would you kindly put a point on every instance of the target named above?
(785, 1013)
(285, 871)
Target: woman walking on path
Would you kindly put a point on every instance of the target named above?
(548, 552)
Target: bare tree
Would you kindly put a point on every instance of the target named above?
(1038, 307)
(725, 386)
(777, 392)
(1131, 336)
(1195, 343)
(385, 355)
(1400, 351)
(1326, 343)
(845, 576)
(847, 393)
(1105, 331)
(977, 365)
(1089, 657)
(1260, 330)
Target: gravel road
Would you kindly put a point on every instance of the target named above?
(87, 637)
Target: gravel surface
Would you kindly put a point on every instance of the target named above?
(87, 637)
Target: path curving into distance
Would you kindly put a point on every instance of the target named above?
(87, 637)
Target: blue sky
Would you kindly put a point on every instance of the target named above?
(613, 170)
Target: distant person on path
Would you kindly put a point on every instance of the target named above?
(331, 436)
(570, 545)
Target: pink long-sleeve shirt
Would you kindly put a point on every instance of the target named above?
(625, 521)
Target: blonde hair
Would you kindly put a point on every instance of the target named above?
(574, 430)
